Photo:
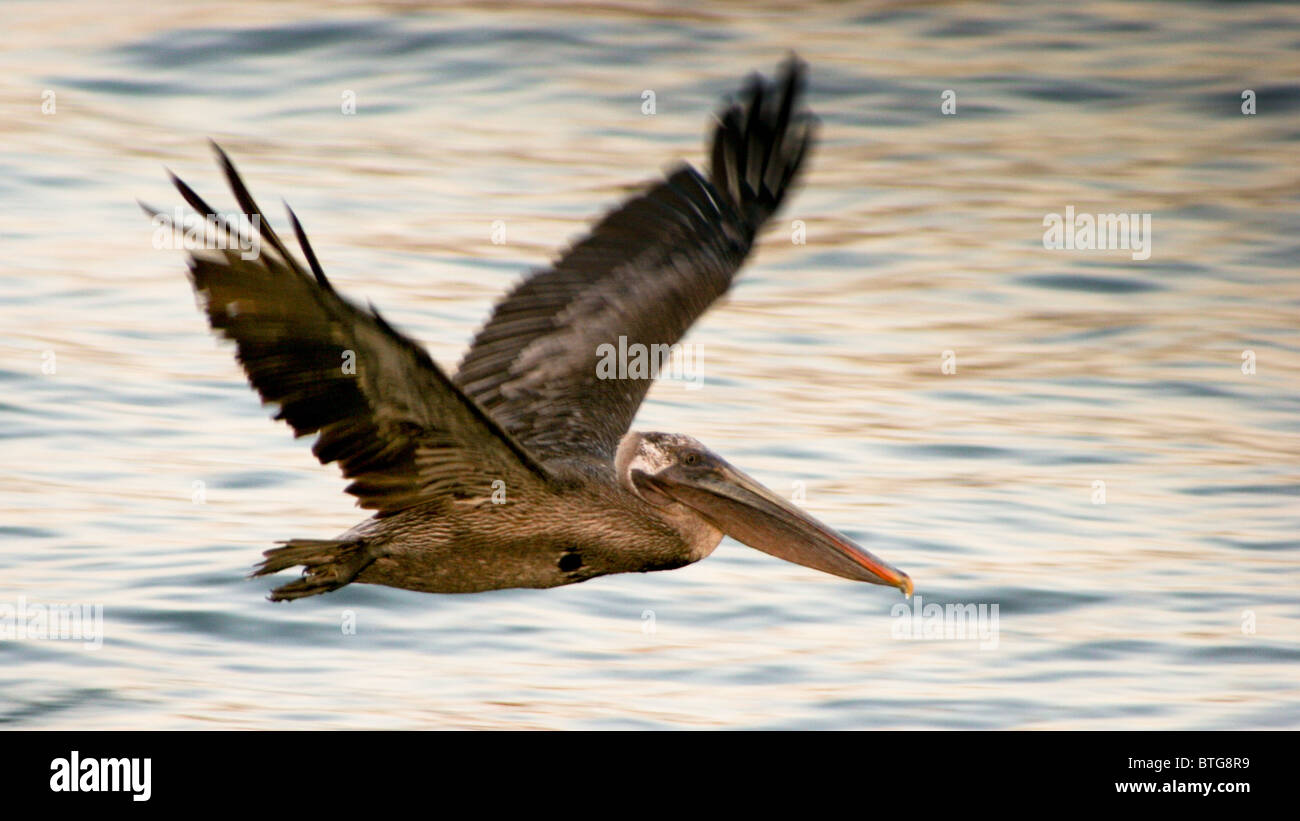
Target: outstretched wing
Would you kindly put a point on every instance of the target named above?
(395, 423)
(642, 276)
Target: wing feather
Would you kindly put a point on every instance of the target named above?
(381, 408)
(642, 276)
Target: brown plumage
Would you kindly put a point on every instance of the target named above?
(520, 471)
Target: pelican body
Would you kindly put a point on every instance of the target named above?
(521, 470)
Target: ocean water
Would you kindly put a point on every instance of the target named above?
(1105, 448)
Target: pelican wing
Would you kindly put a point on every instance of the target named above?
(395, 423)
(641, 277)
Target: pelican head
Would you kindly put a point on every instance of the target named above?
(672, 471)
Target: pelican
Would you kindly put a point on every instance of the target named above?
(521, 470)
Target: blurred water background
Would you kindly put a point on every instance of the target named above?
(1172, 605)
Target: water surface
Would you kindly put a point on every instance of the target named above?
(143, 475)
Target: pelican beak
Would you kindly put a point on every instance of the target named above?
(750, 513)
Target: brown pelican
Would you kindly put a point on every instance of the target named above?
(521, 471)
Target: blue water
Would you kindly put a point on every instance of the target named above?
(142, 475)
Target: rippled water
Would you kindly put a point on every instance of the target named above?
(1171, 605)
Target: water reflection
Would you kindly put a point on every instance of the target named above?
(1171, 605)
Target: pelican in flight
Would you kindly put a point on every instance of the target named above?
(521, 470)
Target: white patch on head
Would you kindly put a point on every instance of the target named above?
(651, 453)
(651, 457)
(648, 453)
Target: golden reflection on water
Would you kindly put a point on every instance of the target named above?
(924, 236)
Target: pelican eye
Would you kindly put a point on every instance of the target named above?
(691, 459)
(570, 562)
